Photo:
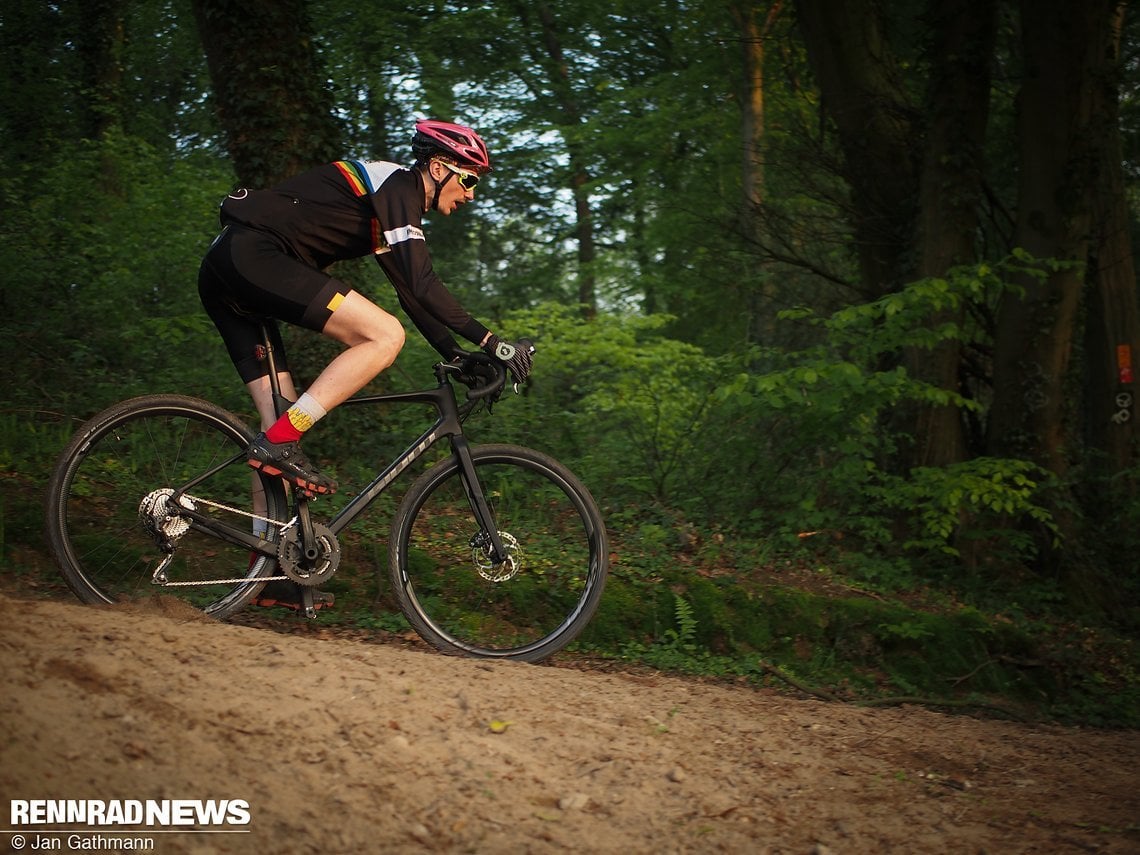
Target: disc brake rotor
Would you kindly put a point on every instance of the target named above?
(488, 569)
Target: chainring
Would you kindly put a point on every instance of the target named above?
(297, 566)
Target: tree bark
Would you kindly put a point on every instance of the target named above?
(100, 42)
(1063, 49)
(270, 97)
(859, 81)
(1112, 339)
(760, 294)
(957, 110)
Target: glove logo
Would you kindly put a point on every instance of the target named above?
(504, 351)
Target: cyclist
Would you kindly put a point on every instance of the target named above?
(267, 265)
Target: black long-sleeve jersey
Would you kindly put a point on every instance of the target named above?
(353, 208)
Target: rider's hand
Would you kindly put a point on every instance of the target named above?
(517, 357)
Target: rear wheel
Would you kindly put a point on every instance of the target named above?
(110, 506)
(527, 608)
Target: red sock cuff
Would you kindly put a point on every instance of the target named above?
(283, 430)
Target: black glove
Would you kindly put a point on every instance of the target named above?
(517, 357)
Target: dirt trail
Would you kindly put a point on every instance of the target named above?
(343, 746)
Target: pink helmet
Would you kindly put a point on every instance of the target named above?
(453, 142)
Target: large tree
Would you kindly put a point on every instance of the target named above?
(560, 94)
(956, 109)
(755, 24)
(863, 92)
(1113, 323)
(1069, 56)
(913, 157)
(274, 106)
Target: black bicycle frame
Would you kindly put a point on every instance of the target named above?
(447, 424)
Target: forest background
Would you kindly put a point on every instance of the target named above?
(835, 304)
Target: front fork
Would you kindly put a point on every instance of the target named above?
(478, 501)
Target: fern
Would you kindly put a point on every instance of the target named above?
(682, 639)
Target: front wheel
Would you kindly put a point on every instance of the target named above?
(112, 517)
(526, 608)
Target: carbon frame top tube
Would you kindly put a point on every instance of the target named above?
(447, 424)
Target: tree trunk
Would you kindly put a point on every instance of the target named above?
(39, 96)
(860, 86)
(100, 47)
(957, 109)
(1112, 341)
(1056, 137)
(760, 296)
(270, 97)
(559, 78)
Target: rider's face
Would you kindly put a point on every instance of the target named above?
(452, 195)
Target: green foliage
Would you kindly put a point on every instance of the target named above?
(801, 448)
(835, 469)
(978, 500)
(26, 447)
(615, 398)
(866, 331)
(100, 295)
(856, 647)
(678, 648)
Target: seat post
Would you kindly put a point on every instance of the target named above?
(280, 402)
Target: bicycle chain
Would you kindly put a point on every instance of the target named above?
(195, 500)
(244, 580)
(287, 552)
(239, 511)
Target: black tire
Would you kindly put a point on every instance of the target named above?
(131, 451)
(562, 554)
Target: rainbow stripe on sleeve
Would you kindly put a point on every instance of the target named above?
(357, 177)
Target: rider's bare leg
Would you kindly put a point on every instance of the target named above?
(262, 395)
(374, 338)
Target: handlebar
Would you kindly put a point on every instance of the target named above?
(483, 375)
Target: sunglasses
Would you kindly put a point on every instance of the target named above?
(467, 180)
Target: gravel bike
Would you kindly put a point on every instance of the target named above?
(495, 551)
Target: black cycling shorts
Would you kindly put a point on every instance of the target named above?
(247, 280)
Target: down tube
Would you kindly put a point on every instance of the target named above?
(382, 481)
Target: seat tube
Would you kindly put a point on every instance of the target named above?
(265, 352)
(476, 497)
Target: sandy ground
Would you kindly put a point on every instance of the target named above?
(346, 746)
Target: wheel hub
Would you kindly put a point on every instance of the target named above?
(161, 519)
(488, 569)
